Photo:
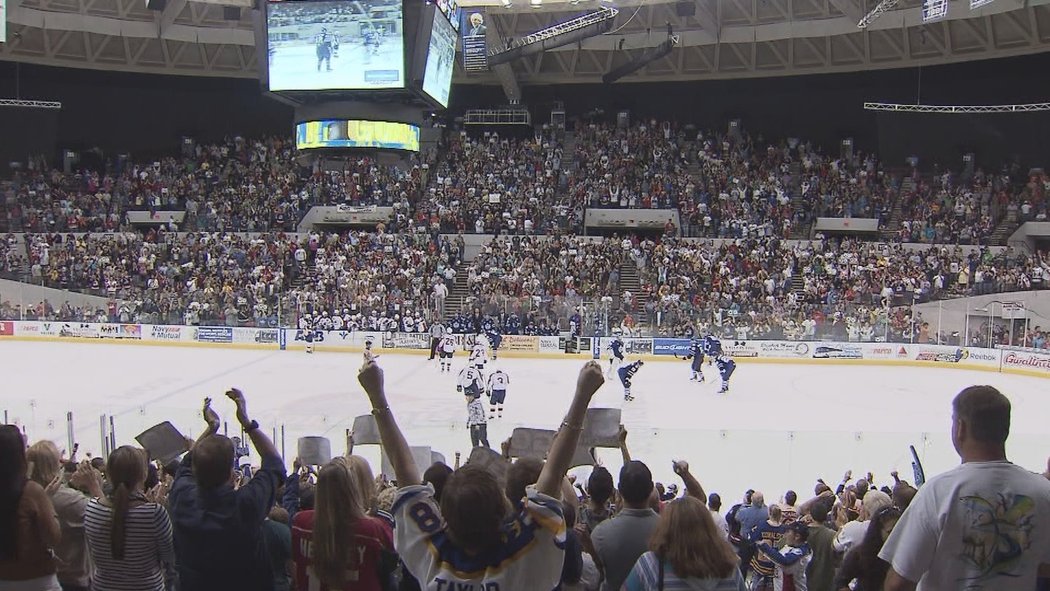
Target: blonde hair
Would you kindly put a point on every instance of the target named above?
(46, 461)
(365, 479)
(687, 538)
(336, 509)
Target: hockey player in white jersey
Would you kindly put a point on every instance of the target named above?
(479, 354)
(498, 382)
(448, 348)
(306, 329)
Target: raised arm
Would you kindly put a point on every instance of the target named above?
(692, 485)
(265, 448)
(564, 445)
(394, 443)
(626, 453)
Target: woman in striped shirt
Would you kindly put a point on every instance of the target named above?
(129, 539)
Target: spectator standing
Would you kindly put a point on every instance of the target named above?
(599, 491)
(74, 567)
(791, 560)
(853, 532)
(337, 546)
(622, 539)
(28, 524)
(714, 503)
(128, 538)
(473, 539)
(862, 569)
(218, 530)
(984, 524)
(687, 551)
(749, 517)
(278, 539)
(821, 573)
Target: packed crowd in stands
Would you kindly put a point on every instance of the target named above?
(213, 521)
(846, 290)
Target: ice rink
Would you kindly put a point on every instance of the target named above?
(294, 67)
(781, 426)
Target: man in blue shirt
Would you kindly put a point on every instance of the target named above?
(219, 530)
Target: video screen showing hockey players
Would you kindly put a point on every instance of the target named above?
(353, 45)
(437, 77)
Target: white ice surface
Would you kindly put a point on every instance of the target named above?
(781, 426)
(294, 67)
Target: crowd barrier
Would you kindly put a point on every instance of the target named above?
(1032, 362)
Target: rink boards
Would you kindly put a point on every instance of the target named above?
(1030, 362)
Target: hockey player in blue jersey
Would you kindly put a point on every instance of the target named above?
(726, 367)
(616, 355)
(712, 346)
(625, 374)
(494, 340)
(696, 353)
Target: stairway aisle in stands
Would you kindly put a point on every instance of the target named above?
(630, 281)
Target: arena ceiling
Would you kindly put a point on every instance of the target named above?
(722, 39)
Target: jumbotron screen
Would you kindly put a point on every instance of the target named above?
(332, 133)
(342, 45)
(441, 56)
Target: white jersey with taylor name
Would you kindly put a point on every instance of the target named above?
(530, 557)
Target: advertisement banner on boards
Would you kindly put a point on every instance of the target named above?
(513, 342)
(1039, 362)
(740, 348)
(671, 346)
(7, 328)
(838, 351)
(638, 346)
(214, 334)
(783, 349)
(551, 344)
(401, 340)
(165, 333)
(79, 330)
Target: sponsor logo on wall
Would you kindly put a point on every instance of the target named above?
(838, 352)
(1026, 361)
(943, 356)
(514, 342)
(81, 330)
(402, 340)
(214, 334)
(639, 346)
(166, 333)
(739, 349)
(671, 346)
(782, 349)
(7, 329)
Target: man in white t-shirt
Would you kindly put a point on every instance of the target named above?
(984, 525)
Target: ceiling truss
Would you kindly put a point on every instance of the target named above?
(721, 39)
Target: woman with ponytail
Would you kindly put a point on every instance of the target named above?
(128, 538)
(336, 546)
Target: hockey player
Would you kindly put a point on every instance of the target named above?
(306, 329)
(494, 339)
(324, 49)
(615, 355)
(498, 382)
(448, 347)
(479, 354)
(471, 386)
(625, 374)
(712, 346)
(696, 353)
(369, 354)
(726, 367)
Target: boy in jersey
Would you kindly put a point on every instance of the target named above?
(696, 353)
(471, 387)
(369, 354)
(474, 538)
(625, 374)
(791, 560)
(615, 354)
(448, 347)
(498, 382)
